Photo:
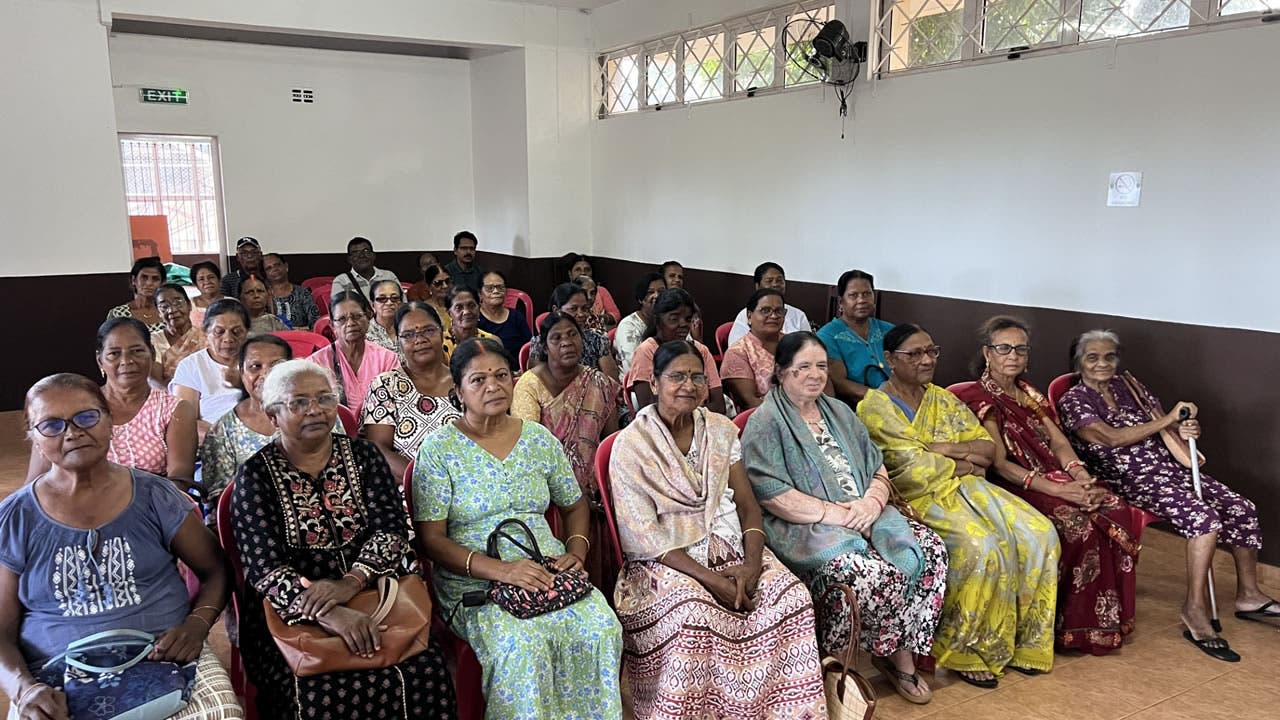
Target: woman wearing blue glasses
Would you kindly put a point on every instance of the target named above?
(91, 546)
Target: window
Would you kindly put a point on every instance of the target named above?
(736, 58)
(913, 34)
(176, 176)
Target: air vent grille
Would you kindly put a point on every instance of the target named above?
(304, 95)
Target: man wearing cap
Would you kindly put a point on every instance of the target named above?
(362, 275)
(248, 262)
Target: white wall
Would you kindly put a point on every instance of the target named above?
(61, 190)
(385, 151)
(984, 182)
(501, 152)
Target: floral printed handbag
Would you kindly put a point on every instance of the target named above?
(106, 676)
(567, 588)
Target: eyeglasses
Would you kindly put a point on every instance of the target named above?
(917, 355)
(54, 427)
(385, 299)
(300, 405)
(680, 378)
(442, 282)
(803, 368)
(494, 289)
(352, 318)
(175, 305)
(425, 333)
(772, 311)
(1006, 348)
(364, 252)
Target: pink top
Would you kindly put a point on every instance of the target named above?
(604, 303)
(747, 359)
(642, 365)
(140, 443)
(355, 383)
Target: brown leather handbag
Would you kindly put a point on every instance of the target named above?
(1180, 449)
(849, 694)
(402, 604)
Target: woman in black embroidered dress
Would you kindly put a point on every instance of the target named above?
(317, 518)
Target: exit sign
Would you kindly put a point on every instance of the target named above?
(165, 96)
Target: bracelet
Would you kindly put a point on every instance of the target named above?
(584, 539)
(876, 499)
(206, 622)
(360, 581)
(1026, 479)
(208, 607)
(1072, 465)
(473, 554)
(751, 530)
(22, 696)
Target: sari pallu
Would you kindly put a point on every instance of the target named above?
(1002, 577)
(688, 656)
(1098, 569)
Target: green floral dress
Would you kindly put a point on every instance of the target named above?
(563, 664)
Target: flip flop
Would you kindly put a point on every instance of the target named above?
(1260, 614)
(1215, 647)
(988, 684)
(897, 678)
(1029, 672)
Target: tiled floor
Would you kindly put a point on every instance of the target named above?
(1156, 676)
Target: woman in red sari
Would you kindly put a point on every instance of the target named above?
(1097, 571)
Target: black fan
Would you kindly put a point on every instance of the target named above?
(826, 55)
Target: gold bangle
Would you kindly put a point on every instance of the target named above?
(206, 622)
(473, 554)
(584, 539)
(751, 530)
(22, 696)
(208, 607)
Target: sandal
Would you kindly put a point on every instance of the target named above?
(897, 678)
(1215, 647)
(988, 684)
(1029, 672)
(1260, 614)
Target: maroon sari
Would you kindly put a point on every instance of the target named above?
(1097, 574)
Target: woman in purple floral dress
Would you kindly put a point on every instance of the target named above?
(1117, 432)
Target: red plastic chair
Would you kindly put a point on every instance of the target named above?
(519, 297)
(303, 342)
(348, 420)
(324, 326)
(406, 287)
(538, 323)
(315, 282)
(741, 419)
(524, 356)
(245, 690)
(321, 295)
(603, 452)
(1060, 386)
(957, 388)
(722, 340)
(468, 675)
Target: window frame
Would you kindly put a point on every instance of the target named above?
(223, 248)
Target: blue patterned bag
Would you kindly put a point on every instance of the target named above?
(106, 676)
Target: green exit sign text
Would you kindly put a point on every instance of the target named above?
(167, 96)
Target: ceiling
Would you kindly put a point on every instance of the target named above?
(585, 4)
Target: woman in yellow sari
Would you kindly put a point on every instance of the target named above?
(1002, 581)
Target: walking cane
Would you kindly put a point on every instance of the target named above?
(1195, 481)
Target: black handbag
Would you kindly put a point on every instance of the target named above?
(567, 588)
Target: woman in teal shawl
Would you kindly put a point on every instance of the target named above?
(824, 491)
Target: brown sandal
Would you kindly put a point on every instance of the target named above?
(897, 678)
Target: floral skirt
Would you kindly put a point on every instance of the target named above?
(895, 614)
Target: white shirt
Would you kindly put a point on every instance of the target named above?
(795, 320)
(200, 372)
(342, 283)
(628, 337)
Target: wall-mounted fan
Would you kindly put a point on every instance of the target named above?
(824, 52)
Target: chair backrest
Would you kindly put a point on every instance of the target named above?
(348, 419)
(1060, 386)
(227, 538)
(741, 419)
(524, 355)
(303, 342)
(519, 297)
(324, 327)
(315, 282)
(538, 323)
(321, 295)
(406, 286)
(722, 337)
(603, 452)
(957, 388)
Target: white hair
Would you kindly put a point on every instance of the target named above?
(1093, 336)
(281, 378)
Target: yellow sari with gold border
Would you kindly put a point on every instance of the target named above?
(1002, 576)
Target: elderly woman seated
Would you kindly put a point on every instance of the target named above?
(91, 546)
(671, 320)
(579, 405)
(317, 518)
(292, 303)
(712, 623)
(464, 317)
(201, 378)
(407, 404)
(151, 430)
(1034, 460)
(509, 325)
(829, 520)
(146, 275)
(179, 338)
(747, 367)
(257, 300)
(386, 297)
(246, 428)
(470, 475)
(354, 360)
(207, 278)
(1115, 425)
(597, 350)
(1002, 579)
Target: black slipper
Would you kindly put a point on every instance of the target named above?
(1214, 647)
(988, 684)
(1029, 672)
(1260, 614)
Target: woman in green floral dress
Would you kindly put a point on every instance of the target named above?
(471, 474)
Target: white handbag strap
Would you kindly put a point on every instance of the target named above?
(102, 641)
(388, 588)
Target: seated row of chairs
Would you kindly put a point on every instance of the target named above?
(321, 288)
